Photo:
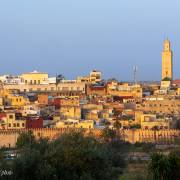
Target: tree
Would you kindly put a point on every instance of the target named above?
(59, 78)
(117, 125)
(108, 134)
(166, 79)
(112, 80)
(83, 156)
(164, 167)
(71, 156)
(155, 128)
(159, 167)
(25, 139)
(135, 126)
(174, 161)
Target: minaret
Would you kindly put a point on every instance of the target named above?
(167, 64)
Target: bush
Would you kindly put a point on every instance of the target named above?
(71, 156)
(164, 167)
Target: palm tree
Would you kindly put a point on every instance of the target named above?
(108, 134)
(59, 78)
(117, 125)
(159, 167)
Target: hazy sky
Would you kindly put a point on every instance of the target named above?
(72, 37)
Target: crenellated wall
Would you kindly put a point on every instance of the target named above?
(164, 136)
(8, 138)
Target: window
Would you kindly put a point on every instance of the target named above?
(22, 124)
(65, 88)
(14, 125)
(9, 125)
(10, 116)
(39, 82)
(17, 124)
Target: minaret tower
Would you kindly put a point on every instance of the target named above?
(167, 64)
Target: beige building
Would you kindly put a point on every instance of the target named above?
(17, 100)
(94, 77)
(150, 121)
(73, 112)
(161, 105)
(167, 61)
(70, 101)
(10, 121)
(165, 84)
(10, 99)
(66, 88)
(87, 124)
(124, 90)
(1, 101)
(34, 77)
(178, 91)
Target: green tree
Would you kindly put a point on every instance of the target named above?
(117, 124)
(71, 156)
(159, 167)
(25, 139)
(108, 135)
(135, 126)
(174, 162)
(166, 79)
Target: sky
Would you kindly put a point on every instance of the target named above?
(72, 37)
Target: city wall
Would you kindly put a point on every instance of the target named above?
(8, 138)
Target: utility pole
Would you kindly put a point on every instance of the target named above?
(135, 69)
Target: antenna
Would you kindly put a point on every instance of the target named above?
(135, 69)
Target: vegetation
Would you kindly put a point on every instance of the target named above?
(108, 135)
(76, 155)
(166, 79)
(164, 167)
(117, 124)
(71, 156)
(59, 78)
(135, 126)
(25, 139)
(112, 80)
(145, 147)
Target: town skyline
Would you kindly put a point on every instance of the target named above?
(167, 68)
(130, 70)
(71, 39)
